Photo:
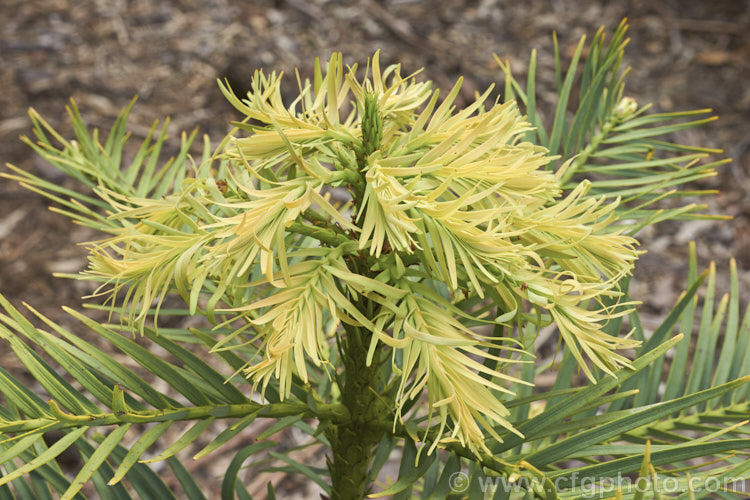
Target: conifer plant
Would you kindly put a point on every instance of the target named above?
(373, 266)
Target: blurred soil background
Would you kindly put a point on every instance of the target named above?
(684, 55)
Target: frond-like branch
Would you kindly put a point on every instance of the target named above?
(611, 140)
(124, 399)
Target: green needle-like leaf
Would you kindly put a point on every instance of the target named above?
(189, 486)
(138, 449)
(188, 437)
(570, 405)
(50, 454)
(226, 435)
(648, 414)
(409, 473)
(95, 460)
(227, 485)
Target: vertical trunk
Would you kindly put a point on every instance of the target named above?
(353, 444)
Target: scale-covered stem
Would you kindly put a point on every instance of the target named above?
(353, 442)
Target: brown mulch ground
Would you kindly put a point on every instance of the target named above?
(688, 54)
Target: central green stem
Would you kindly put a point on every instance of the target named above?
(353, 443)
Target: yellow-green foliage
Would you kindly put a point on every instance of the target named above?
(437, 196)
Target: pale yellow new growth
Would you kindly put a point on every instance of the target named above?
(448, 195)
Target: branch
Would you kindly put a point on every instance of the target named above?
(336, 413)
